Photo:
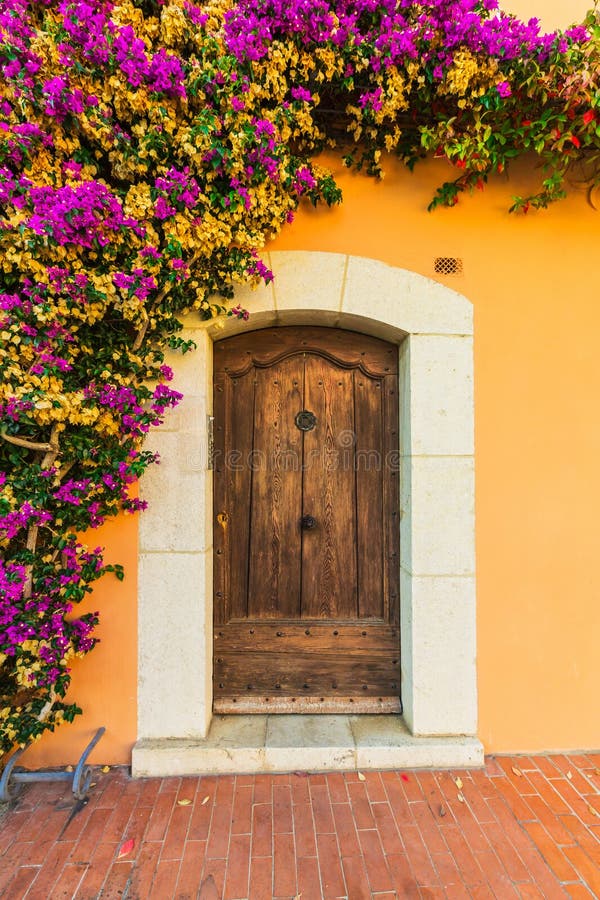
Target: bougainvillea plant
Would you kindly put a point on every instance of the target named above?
(148, 150)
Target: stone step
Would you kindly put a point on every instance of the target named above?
(315, 743)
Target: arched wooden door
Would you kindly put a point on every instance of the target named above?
(306, 580)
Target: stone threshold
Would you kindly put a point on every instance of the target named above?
(308, 743)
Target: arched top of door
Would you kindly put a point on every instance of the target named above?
(236, 355)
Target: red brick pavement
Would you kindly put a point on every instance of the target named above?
(523, 827)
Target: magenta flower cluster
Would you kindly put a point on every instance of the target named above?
(20, 616)
(392, 32)
(12, 522)
(89, 26)
(85, 215)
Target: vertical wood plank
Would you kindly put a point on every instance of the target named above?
(329, 588)
(221, 569)
(391, 500)
(369, 464)
(276, 499)
(234, 427)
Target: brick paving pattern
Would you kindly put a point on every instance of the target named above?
(522, 827)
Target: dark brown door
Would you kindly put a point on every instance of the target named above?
(306, 609)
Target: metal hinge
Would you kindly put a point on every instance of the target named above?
(210, 442)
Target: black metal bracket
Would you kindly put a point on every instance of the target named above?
(81, 776)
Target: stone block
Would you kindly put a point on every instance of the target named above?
(309, 743)
(174, 645)
(437, 526)
(193, 369)
(257, 300)
(178, 491)
(308, 281)
(437, 395)
(404, 300)
(384, 742)
(440, 627)
(172, 757)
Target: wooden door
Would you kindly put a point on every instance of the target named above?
(306, 606)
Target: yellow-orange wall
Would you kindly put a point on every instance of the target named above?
(551, 13)
(536, 292)
(104, 682)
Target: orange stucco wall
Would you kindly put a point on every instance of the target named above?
(551, 13)
(534, 285)
(104, 682)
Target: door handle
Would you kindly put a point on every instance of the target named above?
(305, 420)
(308, 522)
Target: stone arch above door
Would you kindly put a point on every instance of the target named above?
(432, 326)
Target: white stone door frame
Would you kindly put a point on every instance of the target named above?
(433, 327)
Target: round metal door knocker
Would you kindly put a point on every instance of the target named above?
(305, 420)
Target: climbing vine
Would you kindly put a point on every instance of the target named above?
(148, 149)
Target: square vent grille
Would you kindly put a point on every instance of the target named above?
(448, 265)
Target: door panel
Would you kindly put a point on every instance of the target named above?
(233, 435)
(369, 495)
(306, 522)
(365, 675)
(276, 495)
(390, 489)
(329, 588)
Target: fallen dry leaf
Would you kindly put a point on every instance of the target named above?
(458, 783)
(361, 777)
(442, 811)
(517, 772)
(105, 769)
(126, 848)
(594, 812)
(460, 797)
(205, 801)
(184, 802)
(301, 774)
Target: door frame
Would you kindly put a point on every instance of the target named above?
(432, 326)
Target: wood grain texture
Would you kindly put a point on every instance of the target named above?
(276, 497)
(370, 470)
(232, 487)
(276, 705)
(320, 674)
(316, 610)
(308, 637)
(266, 347)
(391, 500)
(329, 585)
